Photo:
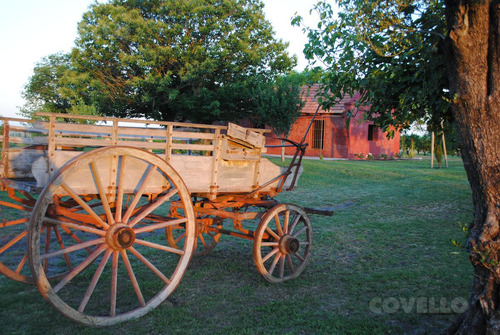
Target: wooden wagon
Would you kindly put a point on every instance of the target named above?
(105, 217)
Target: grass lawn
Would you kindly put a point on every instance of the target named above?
(383, 264)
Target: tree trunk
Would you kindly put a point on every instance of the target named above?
(474, 72)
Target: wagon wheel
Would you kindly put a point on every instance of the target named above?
(13, 236)
(282, 243)
(121, 264)
(206, 238)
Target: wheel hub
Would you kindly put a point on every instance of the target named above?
(288, 244)
(120, 236)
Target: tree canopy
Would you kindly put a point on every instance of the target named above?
(170, 60)
(389, 51)
(413, 59)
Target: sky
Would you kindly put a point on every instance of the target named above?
(33, 29)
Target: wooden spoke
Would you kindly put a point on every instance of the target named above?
(160, 225)
(159, 246)
(152, 207)
(13, 241)
(271, 254)
(114, 284)
(21, 264)
(202, 240)
(13, 222)
(272, 233)
(131, 275)
(278, 225)
(269, 244)
(303, 229)
(298, 256)
(150, 265)
(285, 222)
(139, 193)
(94, 281)
(290, 263)
(294, 223)
(61, 246)
(75, 247)
(74, 237)
(273, 264)
(84, 205)
(119, 195)
(79, 268)
(102, 193)
(282, 266)
(76, 226)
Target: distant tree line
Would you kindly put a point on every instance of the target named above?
(412, 144)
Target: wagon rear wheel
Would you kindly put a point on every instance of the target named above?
(14, 235)
(207, 235)
(116, 204)
(282, 243)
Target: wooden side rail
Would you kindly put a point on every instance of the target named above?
(212, 159)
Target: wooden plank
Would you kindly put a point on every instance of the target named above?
(254, 138)
(193, 147)
(234, 150)
(82, 142)
(82, 181)
(193, 135)
(111, 119)
(84, 129)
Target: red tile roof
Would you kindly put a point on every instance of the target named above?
(311, 101)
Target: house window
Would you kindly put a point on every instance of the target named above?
(318, 134)
(372, 133)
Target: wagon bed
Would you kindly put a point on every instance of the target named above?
(212, 160)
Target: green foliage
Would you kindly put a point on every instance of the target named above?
(391, 52)
(175, 60)
(278, 103)
(43, 92)
(193, 60)
(422, 143)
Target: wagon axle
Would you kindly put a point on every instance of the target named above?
(288, 245)
(120, 236)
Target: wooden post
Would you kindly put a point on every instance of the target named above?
(168, 143)
(432, 150)
(51, 145)
(5, 148)
(444, 150)
(215, 164)
(282, 151)
(114, 135)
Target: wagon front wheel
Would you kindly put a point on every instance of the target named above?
(113, 203)
(282, 243)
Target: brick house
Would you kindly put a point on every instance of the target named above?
(329, 137)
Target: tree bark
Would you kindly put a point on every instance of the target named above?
(473, 54)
